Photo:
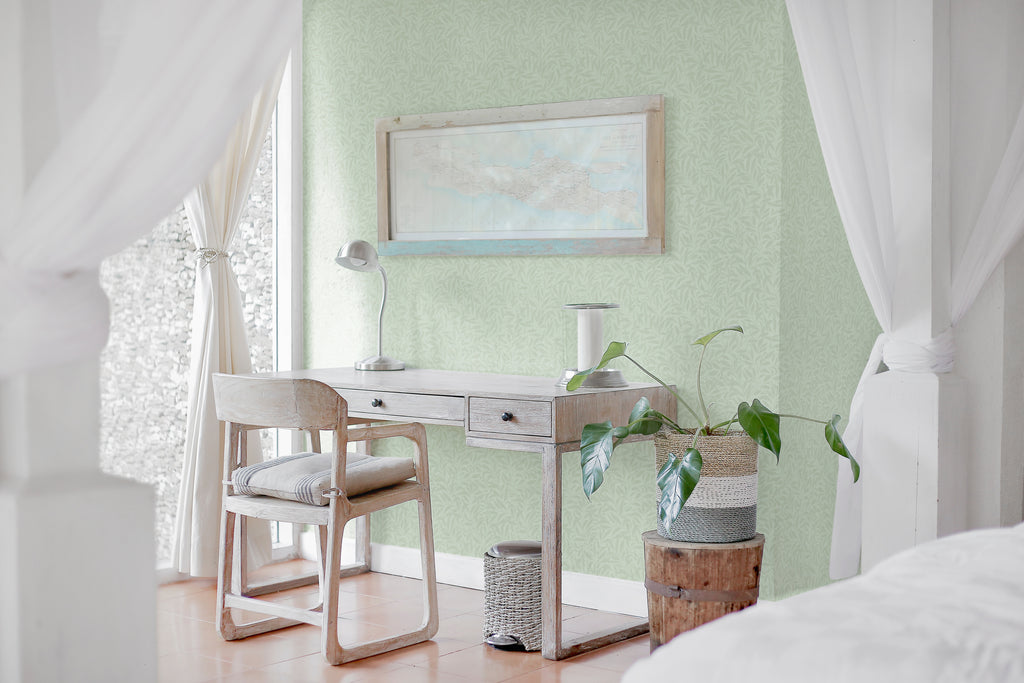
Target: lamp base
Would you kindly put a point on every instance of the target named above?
(380, 363)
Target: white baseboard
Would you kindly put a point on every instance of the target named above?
(583, 590)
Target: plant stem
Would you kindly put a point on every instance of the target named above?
(665, 418)
(726, 424)
(660, 418)
(670, 390)
(805, 419)
(700, 395)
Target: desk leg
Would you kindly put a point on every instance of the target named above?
(551, 552)
(363, 523)
(552, 646)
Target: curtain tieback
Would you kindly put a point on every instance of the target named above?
(205, 256)
(935, 355)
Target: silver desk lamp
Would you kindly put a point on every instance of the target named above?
(360, 255)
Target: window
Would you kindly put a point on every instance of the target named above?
(145, 366)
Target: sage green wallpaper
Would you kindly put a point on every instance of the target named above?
(740, 247)
(826, 331)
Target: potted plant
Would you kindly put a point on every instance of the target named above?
(724, 507)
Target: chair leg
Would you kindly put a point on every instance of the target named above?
(225, 623)
(363, 541)
(233, 543)
(329, 644)
(333, 651)
(321, 551)
(240, 582)
(359, 567)
(430, 612)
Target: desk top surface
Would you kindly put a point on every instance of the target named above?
(443, 382)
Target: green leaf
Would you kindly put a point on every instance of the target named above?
(706, 339)
(762, 425)
(650, 423)
(677, 479)
(595, 454)
(576, 380)
(641, 407)
(644, 419)
(614, 350)
(835, 440)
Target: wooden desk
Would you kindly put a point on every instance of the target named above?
(504, 412)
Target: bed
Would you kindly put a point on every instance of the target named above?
(948, 610)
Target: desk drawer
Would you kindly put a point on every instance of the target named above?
(532, 418)
(387, 404)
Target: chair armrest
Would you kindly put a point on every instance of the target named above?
(410, 430)
(414, 431)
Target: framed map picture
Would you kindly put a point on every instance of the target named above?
(568, 178)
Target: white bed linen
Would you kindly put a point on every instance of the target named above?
(948, 610)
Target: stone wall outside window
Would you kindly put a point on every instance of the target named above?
(145, 365)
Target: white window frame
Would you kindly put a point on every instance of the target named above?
(288, 223)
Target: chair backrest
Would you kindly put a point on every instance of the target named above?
(285, 403)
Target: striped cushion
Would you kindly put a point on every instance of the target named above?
(304, 477)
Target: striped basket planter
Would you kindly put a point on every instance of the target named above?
(723, 506)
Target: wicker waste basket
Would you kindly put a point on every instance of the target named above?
(512, 607)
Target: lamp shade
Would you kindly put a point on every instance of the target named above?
(357, 255)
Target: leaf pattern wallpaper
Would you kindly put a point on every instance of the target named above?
(827, 329)
(752, 238)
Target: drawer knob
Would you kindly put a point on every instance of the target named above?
(376, 403)
(506, 416)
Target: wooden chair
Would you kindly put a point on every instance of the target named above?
(252, 403)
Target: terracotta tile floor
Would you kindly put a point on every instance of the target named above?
(190, 650)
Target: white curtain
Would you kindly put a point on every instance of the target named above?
(998, 228)
(845, 50)
(130, 106)
(219, 341)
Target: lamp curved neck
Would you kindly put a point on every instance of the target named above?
(380, 316)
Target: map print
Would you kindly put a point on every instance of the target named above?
(534, 180)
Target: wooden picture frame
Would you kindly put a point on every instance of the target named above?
(583, 177)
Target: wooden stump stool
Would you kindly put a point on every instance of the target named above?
(689, 584)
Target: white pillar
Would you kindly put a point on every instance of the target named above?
(77, 580)
(914, 490)
(1010, 479)
(911, 426)
(947, 453)
(11, 167)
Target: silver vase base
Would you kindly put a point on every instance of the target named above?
(380, 363)
(605, 378)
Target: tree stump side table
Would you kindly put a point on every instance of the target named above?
(689, 584)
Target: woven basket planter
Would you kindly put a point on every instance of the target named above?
(723, 506)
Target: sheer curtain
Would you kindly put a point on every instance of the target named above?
(845, 50)
(998, 228)
(143, 96)
(218, 341)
